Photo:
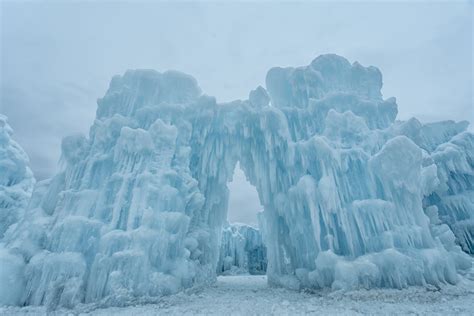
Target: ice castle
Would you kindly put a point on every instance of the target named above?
(352, 197)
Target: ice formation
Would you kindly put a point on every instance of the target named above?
(139, 206)
(16, 180)
(453, 200)
(16, 186)
(241, 251)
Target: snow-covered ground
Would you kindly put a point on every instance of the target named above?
(250, 295)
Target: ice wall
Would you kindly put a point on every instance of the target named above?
(119, 221)
(357, 181)
(139, 206)
(241, 251)
(453, 200)
(16, 186)
(16, 180)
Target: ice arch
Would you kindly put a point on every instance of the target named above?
(139, 205)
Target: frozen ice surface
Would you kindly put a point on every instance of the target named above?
(241, 251)
(352, 198)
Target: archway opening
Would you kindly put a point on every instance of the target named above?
(244, 203)
(242, 250)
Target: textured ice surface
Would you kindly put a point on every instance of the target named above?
(16, 180)
(453, 200)
(139, 206)
(16, 186)
(241, 251)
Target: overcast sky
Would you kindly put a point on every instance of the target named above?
(57, 59)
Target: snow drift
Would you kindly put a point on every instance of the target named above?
(139, 206)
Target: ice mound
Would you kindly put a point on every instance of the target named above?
(352, 198)
(241, 251)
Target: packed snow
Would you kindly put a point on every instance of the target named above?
(352, 198)
(251, 295)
